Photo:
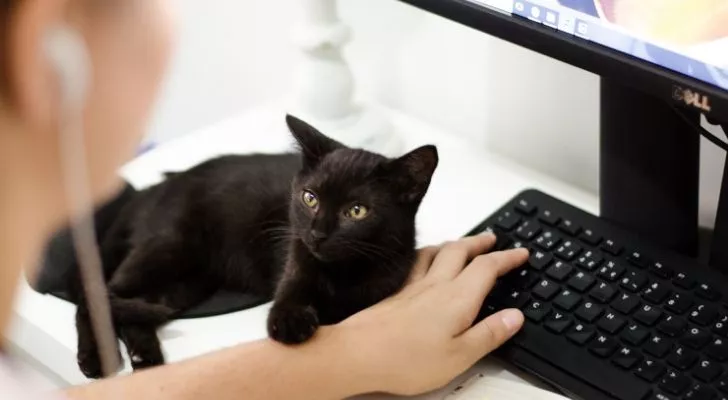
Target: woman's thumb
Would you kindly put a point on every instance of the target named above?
(492, 332)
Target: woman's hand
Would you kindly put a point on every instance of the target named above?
(423, 337)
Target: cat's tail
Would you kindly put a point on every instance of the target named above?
(138, 311)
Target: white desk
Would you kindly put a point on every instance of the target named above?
(469, 185)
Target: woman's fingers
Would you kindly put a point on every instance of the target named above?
(452, 257)
(477, 280)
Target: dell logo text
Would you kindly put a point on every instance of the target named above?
(691, 98)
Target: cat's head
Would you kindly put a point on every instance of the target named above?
(348, 203)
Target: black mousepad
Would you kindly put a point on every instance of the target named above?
(59, 261)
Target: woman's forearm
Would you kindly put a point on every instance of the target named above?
(259, 370)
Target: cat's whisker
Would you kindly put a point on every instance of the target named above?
(385, 250)
(372, 251)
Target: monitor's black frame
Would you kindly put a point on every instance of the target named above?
(611, 64)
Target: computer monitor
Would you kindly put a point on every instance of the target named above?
(662, 64)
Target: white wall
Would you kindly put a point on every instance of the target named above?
(236, 53)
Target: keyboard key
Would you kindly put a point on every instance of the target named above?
(672, 326)
(487, 310)
(700, 392)
(590, 260)
(696, 338)
(548, 218)
(522, 279)
(518, 245)
(545, 290)
(661, 270)
(611, 323)
(637, 259)
(675, 382)
(502, 241)
(558, 322)
(626, 358)
(635, 334)
(603, 346)
(525, 207)
(679, 303)
(722, 384)
(717, 350)
(658, 346)
(626, 303)
(508, 221)
(721, 326)
(567, 300)
(539, 260)
(568, 250)
(612, 247)
(603, 292)
(581, 281)
(682, 358)
(515, 299)
(580, 334)
(611, 271)
(528, 230)
(707, 371)
(704, 315)
(559, 271)
(590, 237)
(650, 370)
(588, 312)
(707, 291)
(684, 281)
(656, 292)
(569, 227)
(634, 281)
(614, 382)
(536, 311)
(662, 396)
(647, 315)
(547, 240)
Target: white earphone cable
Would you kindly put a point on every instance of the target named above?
(67, 51)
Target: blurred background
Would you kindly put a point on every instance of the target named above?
(237, 54)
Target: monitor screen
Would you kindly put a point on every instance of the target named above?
(686, 36)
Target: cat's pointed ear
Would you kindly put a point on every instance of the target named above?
(414, 171)
(313, 144)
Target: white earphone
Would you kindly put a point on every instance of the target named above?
(66, 50)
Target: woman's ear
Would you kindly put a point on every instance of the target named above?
(35, 90)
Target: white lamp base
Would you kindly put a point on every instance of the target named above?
(363, 128)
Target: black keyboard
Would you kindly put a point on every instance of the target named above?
(608, 315)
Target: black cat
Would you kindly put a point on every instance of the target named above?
(325, 233)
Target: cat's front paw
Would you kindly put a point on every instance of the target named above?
(292, 324)
(89, 363)
(146, 359)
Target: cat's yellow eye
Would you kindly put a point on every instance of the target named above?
(357, 212)
(309, 199)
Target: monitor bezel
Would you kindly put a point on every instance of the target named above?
(608, 63)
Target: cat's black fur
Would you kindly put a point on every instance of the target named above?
(240, 223)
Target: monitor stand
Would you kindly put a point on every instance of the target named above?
(649, 168)
(719, 248)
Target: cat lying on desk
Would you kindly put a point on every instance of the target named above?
(325, 234)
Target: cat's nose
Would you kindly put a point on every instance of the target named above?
(317, 235)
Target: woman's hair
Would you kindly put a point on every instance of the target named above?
(6, 7)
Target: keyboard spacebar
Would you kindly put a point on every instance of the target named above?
(578, 362)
